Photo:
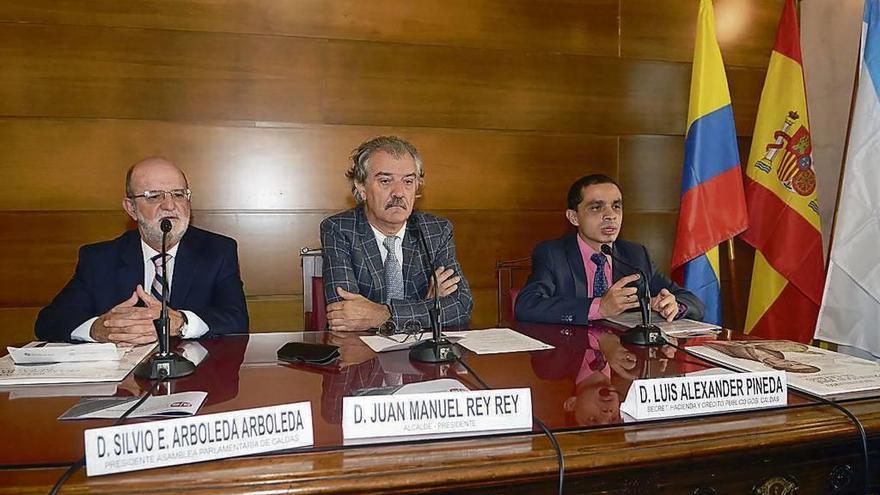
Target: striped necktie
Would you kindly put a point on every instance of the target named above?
(156, 288)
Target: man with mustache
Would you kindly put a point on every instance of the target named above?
(375, 270)
(573, 282)
(115, 292)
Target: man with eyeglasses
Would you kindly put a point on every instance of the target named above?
(376, 272)
(115, 292)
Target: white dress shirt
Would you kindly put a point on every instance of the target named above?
(398, 246)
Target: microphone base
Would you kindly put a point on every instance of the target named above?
(643, 335)
(169, 366)
(435, 351)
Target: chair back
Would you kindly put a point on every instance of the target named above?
(511, 275)
(314, 305)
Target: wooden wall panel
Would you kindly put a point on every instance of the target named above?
(283, 168)
(18, 325)
(656, 230)
(112, 73)
(74, 71)
(567, 26)
(665, 29)
(261, 102)
(650, 172)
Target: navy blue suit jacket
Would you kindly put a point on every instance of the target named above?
(556, 291)
(206, 281)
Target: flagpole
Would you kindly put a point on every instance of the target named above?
(734, 284)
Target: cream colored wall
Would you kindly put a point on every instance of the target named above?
(830, 31)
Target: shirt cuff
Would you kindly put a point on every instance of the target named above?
(594, 313)
(195, 326)
(84, 331)
(682, 309)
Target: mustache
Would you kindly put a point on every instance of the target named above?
(395, 201)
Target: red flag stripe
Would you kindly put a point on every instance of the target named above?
(792, 316)
(700, 232)
(788, 41)
(791, 245)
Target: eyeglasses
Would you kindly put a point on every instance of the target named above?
(156, 197)
(411, 329)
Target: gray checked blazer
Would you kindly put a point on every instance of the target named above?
(352, 261)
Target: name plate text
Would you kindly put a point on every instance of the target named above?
(705, 394)
(436, 413)
(117, 449)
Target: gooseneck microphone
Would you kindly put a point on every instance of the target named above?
(438, 349)
(164, 363)
(645, 334)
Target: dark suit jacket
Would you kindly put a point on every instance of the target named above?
(206, 281)
(556, 291)
(352, 261)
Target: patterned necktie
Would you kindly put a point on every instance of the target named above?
(393, 272)
(156, 288)
(600, 285)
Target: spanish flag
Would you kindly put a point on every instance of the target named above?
(784, 229)
(712, 208)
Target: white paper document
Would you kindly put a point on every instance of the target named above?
(682, 328)
(165, 406)
(76, 372)
(497, 341)
(53, 352)
(488, 341)
(380, 343)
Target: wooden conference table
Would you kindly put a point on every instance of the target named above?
(807, 445)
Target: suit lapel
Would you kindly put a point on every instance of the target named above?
(185, 268)
(619, 270)
(576, 264)
(130, 270)
(411, 257)
(371, 252)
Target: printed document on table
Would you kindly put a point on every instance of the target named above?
(56, 352)
(85, 372)
(497, 341)
(682, 328)
(167, 406)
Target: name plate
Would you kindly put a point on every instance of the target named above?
(133, 447)
(705, 394)
(436, 413)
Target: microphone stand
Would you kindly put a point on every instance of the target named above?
(438, 349)
(646, 333)
(164, 363)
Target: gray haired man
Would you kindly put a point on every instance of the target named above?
(376, 272)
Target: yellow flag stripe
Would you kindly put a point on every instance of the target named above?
(709, 90)
(767, 284)
(712, 256)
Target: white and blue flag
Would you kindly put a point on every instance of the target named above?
(850, 312)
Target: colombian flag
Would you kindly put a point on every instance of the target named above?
(713, 207)
(789, 270)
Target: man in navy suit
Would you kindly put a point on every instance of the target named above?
(375, 269)
(573, 282)
(106, 300)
